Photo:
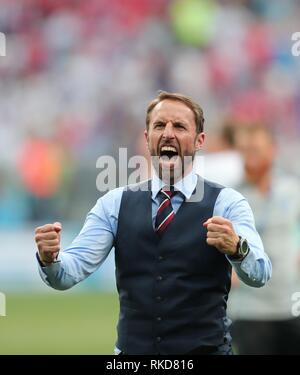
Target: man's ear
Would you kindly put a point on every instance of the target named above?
(146, 136)
(199, 141)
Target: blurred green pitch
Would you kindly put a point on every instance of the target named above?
(59, 323)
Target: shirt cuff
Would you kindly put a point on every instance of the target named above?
(247, 270)
(42, 265)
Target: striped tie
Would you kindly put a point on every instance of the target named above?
(165, 213)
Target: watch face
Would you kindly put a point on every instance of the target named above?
(244, 246)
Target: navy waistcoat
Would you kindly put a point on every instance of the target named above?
(173, 290)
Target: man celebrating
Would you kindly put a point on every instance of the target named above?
(173, 252)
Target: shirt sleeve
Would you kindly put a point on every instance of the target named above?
(90, 248)
(256, 268)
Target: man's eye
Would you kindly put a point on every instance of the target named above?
(158, 125)
(179, 125)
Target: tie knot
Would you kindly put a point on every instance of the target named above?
(168, 192)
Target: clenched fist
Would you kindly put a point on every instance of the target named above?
(220, 234)
(47, 238)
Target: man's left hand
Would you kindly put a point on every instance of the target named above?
(221, 234)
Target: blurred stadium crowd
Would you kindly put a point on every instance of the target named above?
(78, 76)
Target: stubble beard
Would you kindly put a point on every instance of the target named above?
(171, 174)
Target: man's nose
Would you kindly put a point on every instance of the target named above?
(168, 131)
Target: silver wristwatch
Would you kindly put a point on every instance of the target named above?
(242, 250)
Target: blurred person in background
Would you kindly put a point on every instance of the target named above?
(222, 162)
(45, 170)
(173, 253)
(263, 320)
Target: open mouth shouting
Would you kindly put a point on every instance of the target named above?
(168, 156)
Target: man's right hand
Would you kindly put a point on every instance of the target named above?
(47, 238)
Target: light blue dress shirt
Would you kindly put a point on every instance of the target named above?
(92, 245)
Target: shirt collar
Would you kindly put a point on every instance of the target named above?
(186, 185)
